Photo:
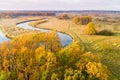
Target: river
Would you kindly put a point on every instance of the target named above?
(65, 39)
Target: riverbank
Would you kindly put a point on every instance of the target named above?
(10, 29)
(65, 39)
(37, 22)
(6, 33)
(3, 37)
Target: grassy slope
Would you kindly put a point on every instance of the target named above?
(107, 47)
(9, 25)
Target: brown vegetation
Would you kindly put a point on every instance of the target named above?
(24, 13)
(105, 32)
(63, 16)
(82, 20)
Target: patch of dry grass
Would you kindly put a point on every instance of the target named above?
(10, 27)
(35, 23)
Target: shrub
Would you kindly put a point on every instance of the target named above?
(105, 32)
(90, 29)
(63, 16)
(76, 20)
(82, 20)
(85, 20)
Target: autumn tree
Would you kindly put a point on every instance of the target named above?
(25, 58)
(90, 29)
(83, 20)
(81, 65)
(92, 68)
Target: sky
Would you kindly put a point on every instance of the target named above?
(60, 5)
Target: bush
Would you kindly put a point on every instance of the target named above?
(63, 16)
(90, 29)
(85, 20)
(76, 20)
(105, 32)
(82, 20)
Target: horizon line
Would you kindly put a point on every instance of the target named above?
(61, 10)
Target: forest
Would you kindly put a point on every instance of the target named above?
(39, 56)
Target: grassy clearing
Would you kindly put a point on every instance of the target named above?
(34, 23)
(106, 47)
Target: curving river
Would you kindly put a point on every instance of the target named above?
(65, 39)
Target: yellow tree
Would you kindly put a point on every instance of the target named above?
(90, 29)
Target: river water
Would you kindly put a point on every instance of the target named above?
(3, 37)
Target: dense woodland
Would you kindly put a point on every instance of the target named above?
(40, 56)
